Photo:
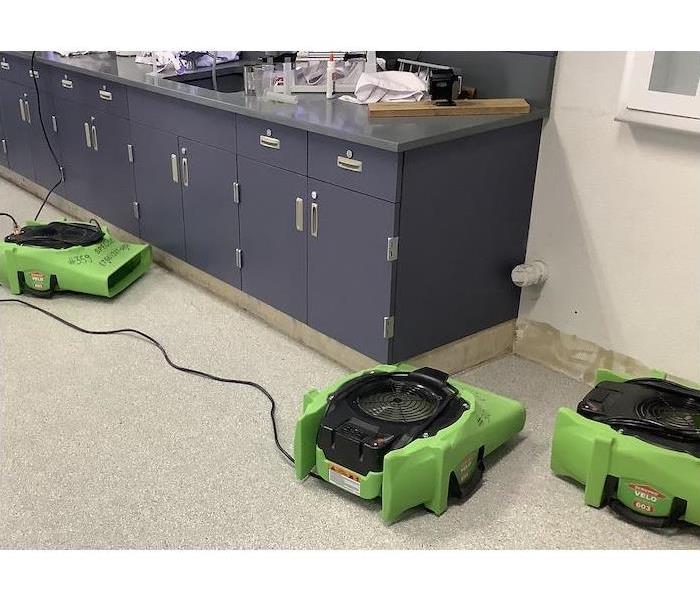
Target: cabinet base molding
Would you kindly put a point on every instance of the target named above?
(469, 351)
(24, 183)
(452, 358)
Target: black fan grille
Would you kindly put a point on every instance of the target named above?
(672, 412)
(57, 235)
(398, 401)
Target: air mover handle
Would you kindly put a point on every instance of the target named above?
(433, 374)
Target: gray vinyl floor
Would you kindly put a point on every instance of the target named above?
(104, 446)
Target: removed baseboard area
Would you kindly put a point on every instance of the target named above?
(572, 355)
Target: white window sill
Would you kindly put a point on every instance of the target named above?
(664, 121)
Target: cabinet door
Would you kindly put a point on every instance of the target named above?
(349, 275)
(274, 250)
(211, 215)
(112, 178)
(157, 177)
(46, 171)
(14, 99)
(78, 157)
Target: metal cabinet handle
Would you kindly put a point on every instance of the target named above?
(88, 139)
(185, 172)
(29, 114)
(94, 138)
(130, 152)
(54, 124)
(137, 213)
(173, 166)
(4, 146)
(299, 214)
(314, 219)
(5, 66)
(349, 164)
(236, 193)
(34, 74)
(269, 142)
(21, 111)
(67, 83)
(105, 95)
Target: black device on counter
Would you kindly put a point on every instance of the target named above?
(444, 87)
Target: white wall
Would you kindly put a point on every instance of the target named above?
(616, 215)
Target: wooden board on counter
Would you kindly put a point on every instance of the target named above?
(425, 108)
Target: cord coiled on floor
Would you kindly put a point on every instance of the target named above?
(170, 362)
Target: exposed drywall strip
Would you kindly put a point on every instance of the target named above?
(572, 355)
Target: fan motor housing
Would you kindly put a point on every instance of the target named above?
(410, 436)
(379, 412)
(631, 444)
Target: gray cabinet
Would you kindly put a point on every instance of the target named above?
(209, 202)
(158, 193)
(77, 155)
(24, 149)
(312, 233)
(186, 200)
(46, 171)
(315, 250)
(350, 273)
(274, 227)
(98, 173)
(318, 252)
(464, 214)
(112, 174)
(17, 116)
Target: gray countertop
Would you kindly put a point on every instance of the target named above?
(313, 113)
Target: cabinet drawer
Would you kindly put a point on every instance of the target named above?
(14, 69)
(355, 166)
(273, 144)
(210, 126)
(92, 91)
(17, 69)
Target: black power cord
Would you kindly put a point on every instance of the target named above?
(157, 344)
(46, 138)
(9, 216)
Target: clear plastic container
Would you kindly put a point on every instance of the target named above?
(263, 79)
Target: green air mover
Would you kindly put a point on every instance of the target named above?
(635, 445)
(410, 436)
(78, 257)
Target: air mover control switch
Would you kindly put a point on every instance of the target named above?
(353, 444)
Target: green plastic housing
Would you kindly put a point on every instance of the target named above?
(650, 477)
(418, 473)
(103, 269)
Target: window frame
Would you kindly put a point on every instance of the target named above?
(638, 104)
